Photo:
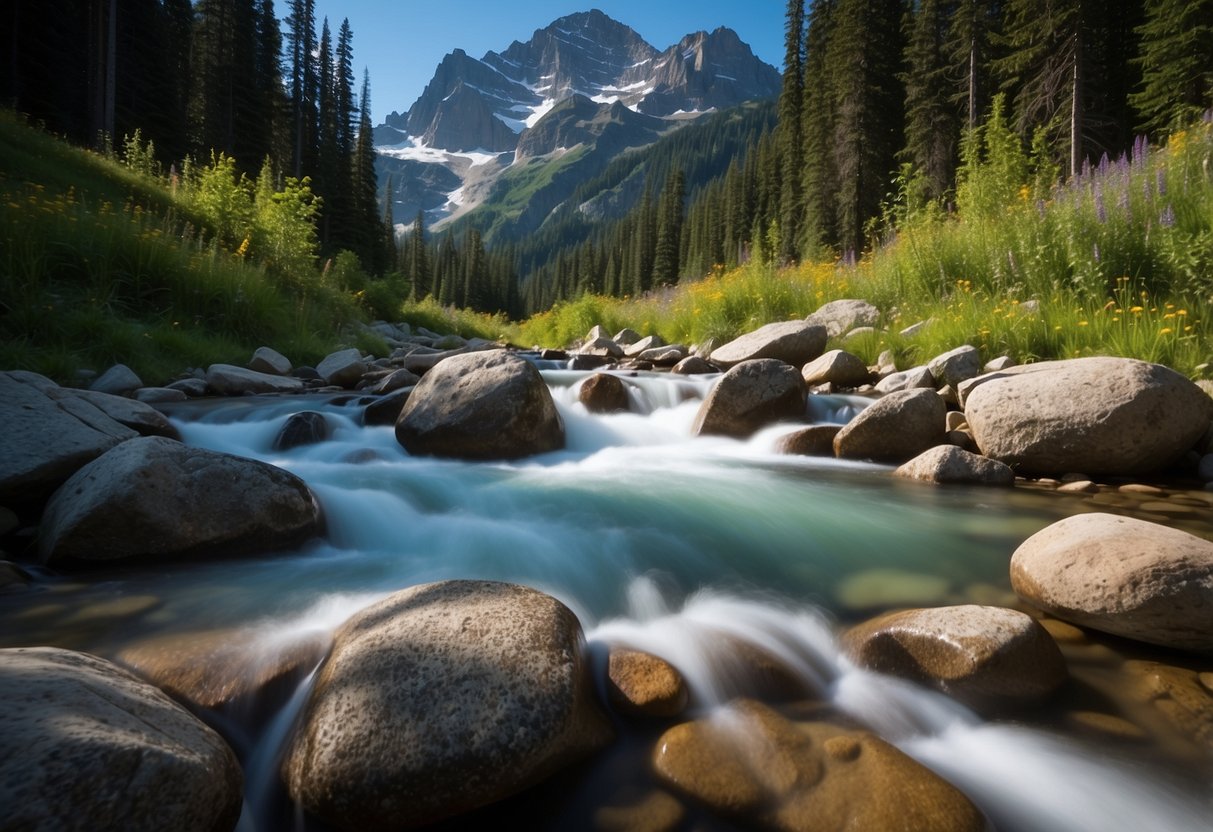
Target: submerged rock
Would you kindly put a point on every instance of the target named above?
(792, 342)
(307, 427)
(751, 395)
(749, 762)
(1098, 415)
(88, 746)
(480, 405)
(987, 657)
(154, 497)
(440, 699)
(1123, 576)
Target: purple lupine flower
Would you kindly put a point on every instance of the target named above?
(1141, 149)
(1161, 179)
(1104, 164)
(1086, 168)
(1122, 163)
(1122, 199)
(1167, 218)
(1101, 213)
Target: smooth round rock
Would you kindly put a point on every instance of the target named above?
(642, 684)
(815, 440)
(837, 367)
(604, 393)
(1123, 576)
(950, 464)
(842, 316)
(751, 395)
(894, 428)
(230, 380)
(307, 427)
(792, 342)
(88, 746)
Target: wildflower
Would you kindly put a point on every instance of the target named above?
(1166, 330)
(1083, 323)
(1160, 180)
(1167, 218)
(1136, 310)
(1101, 212)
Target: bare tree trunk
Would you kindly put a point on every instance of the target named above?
(973, 83)
(1076, 109)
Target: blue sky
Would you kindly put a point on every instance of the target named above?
(401, 42)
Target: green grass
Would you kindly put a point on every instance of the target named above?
(1117, 262)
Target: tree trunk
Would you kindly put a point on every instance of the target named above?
(1076, 109)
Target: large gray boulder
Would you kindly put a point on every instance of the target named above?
(836, 367)
(48, 435)
(841, 316)
(894, 428)
(230, 380)
(481, 405)
(987, 657)
(793, 342)
(1096, 415)
(154, 497)
(950, 464)
(343, 368)
(955, 366)
(752, 395)
(1123, 576)
(136, 415)
(118, 380)
(88, 746)
(269, 360)
(440, 699)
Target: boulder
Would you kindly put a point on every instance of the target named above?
(666, 356)
(641, 684)
(481, 405)
(989, 658)
(136, 415)
(440, 699)
(817, 440)
(601, 347)
(219, 667)
(1002, 362)
(751, 763)
(119, 380)
(396, 380)
(343, 368)
(949, 463)
(626, 337)
(1097, 415)
(792, 342)
(915, 378)
(89, 746)
(48, 435)
(842, 316)
(307, 427)
(603, 393)
(159, 395)
(955, 366)
(230, 380)
(1123, 576)
(897, 427)
(153, 497)
(191, 387)
(596, 331)
(386, 409)
(693, 365)
(268, 360)
(836, 367)
(641, 345)
(750, 396)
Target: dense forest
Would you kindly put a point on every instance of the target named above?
(197, 81)
(881, 104)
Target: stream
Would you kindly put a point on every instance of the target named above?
(657, 540)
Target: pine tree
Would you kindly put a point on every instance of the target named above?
(932, 122)
(970, 47)
(301, 45)
(668, 239)
(367, 238)
(818, 118)
(1176, 61)
(791, 137)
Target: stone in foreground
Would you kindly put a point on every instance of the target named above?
(1122, 576)
(750, 762)
(1097, 415)
(480, 405)
(894, 428)
(440, 699)
(950, 464)
(792, 342)
(986, 657)
(88, 746)
(154, 497)
(751, 395)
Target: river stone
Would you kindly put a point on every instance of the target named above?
(748, 762)
(792, 342)
(269, 360)
(343, 368)
(657, 811)
(986, 657)
(1123, 576)
(155, 497)
(119, 380)
(440, 699)
(395, 380)
(1002, 362)
(836, 367)
(750, 396)
(596, 331)
(641, 684)
(950, 464)
(481, 405)
(191, 387)
(304, 428)
(842, 316)
(159, 395)
(386, 409)
(626, 337)
(955, 366)
(914, 378)
(693, 365)
(214, 668)
(649, 342)
(894, 428)
(88, 746)
(1179, 693)
(136, 415)
(603, 393)
(1098, 415)
(602, 347)
(230, 380)
(48, 435)
(816, 440)
(666, 356)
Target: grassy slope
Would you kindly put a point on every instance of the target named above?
(1119, 262)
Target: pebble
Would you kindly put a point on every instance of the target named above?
(1079, 487)
(1139, 488)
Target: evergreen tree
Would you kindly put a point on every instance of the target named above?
(791, 138)
(273, 107)
(668, 238)
(818, 116)
(368, 237)
(301, 46)
(224, 104)
(1176, 62)
(932, 122)
(971, 31)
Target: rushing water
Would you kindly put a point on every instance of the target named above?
(656, 540)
